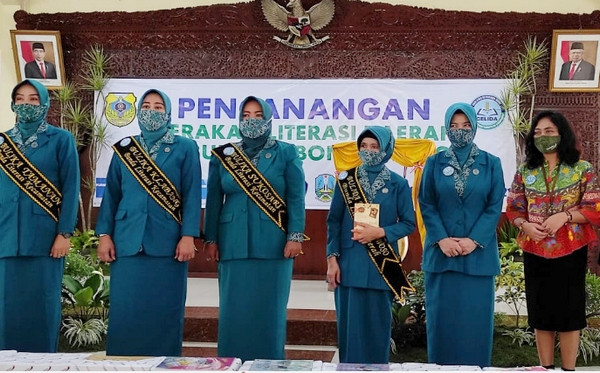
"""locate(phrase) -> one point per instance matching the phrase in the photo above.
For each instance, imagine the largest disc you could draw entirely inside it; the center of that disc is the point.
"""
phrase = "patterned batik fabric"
(168, 138)
(576, 187)
(17, 138)
(461, 173)
(254, 128)
(379, 182)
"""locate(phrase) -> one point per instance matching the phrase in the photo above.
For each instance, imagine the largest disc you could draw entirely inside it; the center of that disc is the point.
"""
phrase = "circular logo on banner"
(530, 179)
(490, 111)
(343, 175)
(228, 150)
(126, 141)
(1, 140)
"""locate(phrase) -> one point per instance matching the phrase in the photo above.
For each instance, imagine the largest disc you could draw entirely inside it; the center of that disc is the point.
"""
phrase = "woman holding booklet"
(149, 216)
(39, 190)
(461, 196)
(363, 294)
(254, 224)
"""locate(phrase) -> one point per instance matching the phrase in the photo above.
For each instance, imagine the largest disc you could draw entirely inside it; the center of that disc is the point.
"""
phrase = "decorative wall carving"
(368, 40)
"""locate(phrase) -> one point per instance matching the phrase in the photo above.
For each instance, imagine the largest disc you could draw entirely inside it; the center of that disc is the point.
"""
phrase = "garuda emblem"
(299, 23)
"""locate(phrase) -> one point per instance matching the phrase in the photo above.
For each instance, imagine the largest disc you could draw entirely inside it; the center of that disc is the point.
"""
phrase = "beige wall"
(9, 7)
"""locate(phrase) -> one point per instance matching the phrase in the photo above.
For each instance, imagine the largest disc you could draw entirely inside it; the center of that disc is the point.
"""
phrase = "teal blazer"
(396, 217)
(134, 220)
(25, 228)
(475, 215)
(235, 222)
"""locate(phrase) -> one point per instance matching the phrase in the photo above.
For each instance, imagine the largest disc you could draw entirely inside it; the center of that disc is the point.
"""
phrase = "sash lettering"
(150, 176)
(380, 251)
(28, 178)
(254, 184)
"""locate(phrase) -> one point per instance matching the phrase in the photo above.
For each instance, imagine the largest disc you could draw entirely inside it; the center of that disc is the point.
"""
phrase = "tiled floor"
(204, 292)
(305, 294)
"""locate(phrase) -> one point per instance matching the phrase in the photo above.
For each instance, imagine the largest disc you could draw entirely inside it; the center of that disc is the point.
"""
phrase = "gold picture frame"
(38, 55)
(574, 61)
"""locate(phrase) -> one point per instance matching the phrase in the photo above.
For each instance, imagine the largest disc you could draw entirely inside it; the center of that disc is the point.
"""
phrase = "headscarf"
(462, 153)
(30, 117)
(462, 157)
(386, 142)
(252, 146)
(155, 126)
(373, 177)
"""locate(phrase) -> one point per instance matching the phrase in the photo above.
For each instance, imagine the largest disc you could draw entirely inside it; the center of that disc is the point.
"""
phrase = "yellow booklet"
(367, 213)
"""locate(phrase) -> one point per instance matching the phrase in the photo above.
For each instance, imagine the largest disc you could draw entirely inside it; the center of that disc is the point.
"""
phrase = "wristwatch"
(66, 235)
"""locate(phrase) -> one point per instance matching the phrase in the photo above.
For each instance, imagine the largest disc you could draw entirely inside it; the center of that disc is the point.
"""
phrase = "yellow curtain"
(407, 152)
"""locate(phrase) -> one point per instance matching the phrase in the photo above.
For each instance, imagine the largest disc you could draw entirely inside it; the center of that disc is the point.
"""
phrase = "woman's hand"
(292, 249)
(534, 231)
(106, 249)
(450, 246)
(365, 233)
(186, 249)
(333, 272)
(467, 245)
(211, 251)
(554, 223)
(60, 247)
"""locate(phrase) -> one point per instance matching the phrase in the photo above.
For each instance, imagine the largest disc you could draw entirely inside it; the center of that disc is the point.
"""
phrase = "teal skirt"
(460, 318)
(364, 322)
(147, 306)
(30, 310)
(253, 297)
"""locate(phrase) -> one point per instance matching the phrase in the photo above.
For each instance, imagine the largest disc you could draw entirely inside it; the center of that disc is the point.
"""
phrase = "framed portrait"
(574, 61)
(38, 55)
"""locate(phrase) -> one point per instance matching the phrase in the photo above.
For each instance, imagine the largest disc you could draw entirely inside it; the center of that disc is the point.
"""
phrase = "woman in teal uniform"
(254, 253)
(461, 196)
(34, 241)
(147, 240)
(363, 300)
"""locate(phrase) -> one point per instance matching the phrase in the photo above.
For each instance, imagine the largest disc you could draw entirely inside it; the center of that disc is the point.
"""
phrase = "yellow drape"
(407, 152)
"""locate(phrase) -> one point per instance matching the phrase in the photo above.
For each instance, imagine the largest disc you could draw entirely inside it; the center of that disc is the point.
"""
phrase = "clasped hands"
(453, 246)
(548, 228)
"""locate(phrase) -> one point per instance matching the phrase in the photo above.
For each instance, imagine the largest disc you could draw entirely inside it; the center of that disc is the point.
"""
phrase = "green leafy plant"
(510, 285)
(408, 319)
(86, 126)
(518, 98)
(589, 343)
(89, 298)
(520, 336)
(84, 333)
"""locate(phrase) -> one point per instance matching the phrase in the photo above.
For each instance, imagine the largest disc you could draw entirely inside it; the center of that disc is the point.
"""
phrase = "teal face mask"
(547, 144)
(152, 120)
(254, 128)
(371, 158)
(27, 113)
(460, 137)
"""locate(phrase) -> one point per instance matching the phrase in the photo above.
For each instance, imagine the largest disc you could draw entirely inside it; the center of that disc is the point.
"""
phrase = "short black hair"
(567, 148)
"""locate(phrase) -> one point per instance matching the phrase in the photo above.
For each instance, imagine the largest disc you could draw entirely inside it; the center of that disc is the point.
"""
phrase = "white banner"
(313, 115)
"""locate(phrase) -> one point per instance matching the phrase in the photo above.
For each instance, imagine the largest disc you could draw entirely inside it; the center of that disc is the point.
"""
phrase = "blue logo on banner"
(204, 189)
(324, 186)
(100, 186)
(490, 111)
